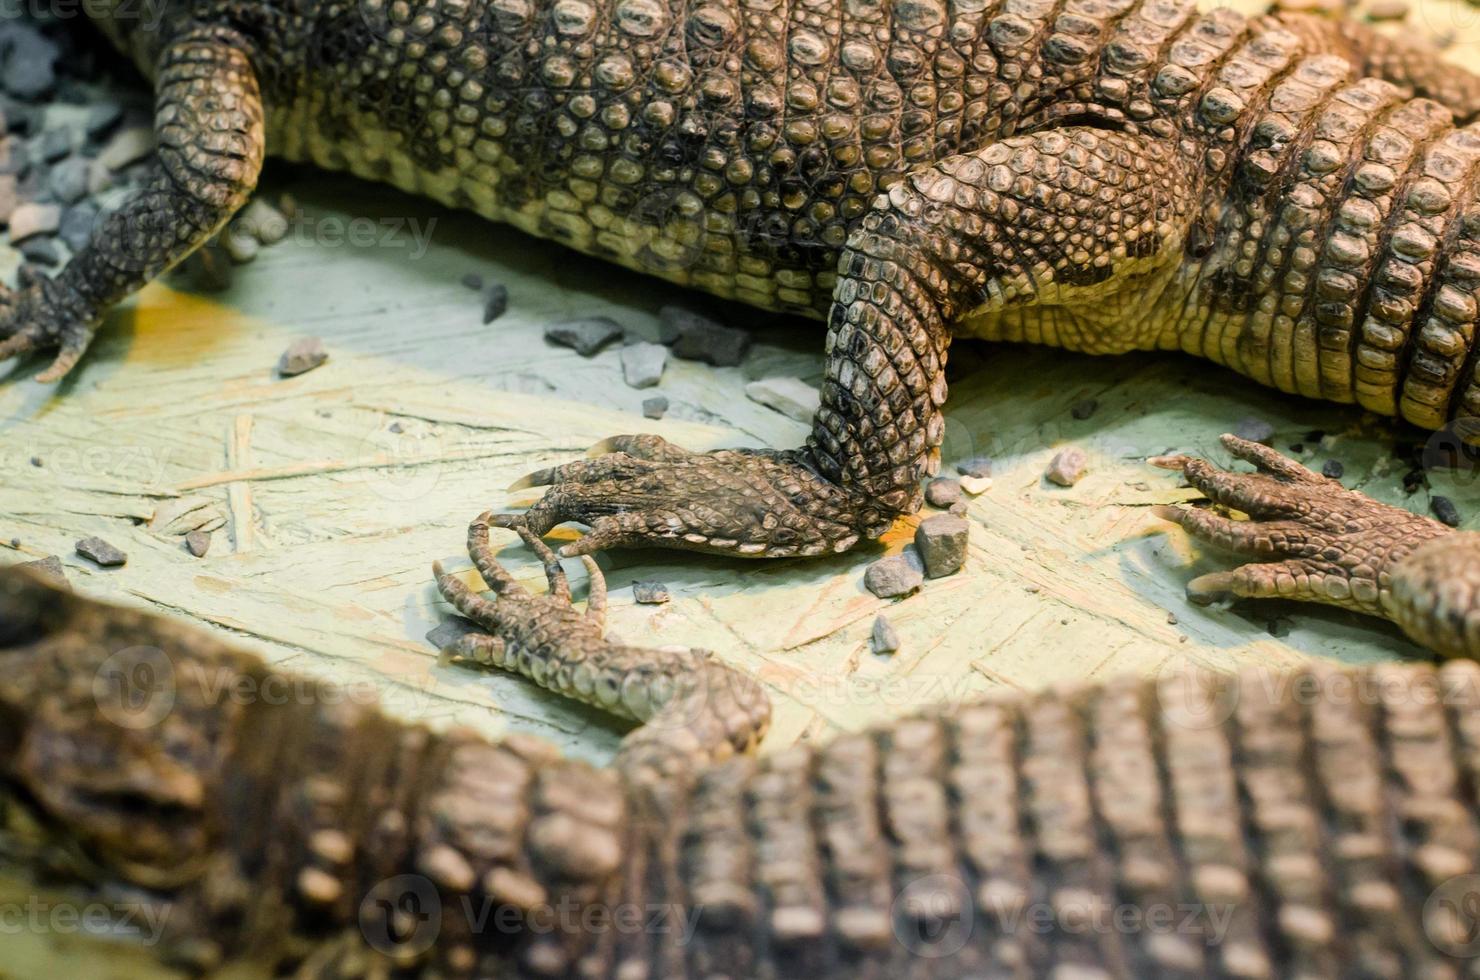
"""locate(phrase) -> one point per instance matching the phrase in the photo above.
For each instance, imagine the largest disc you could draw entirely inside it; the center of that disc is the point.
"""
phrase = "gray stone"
(30, 59)
(128, 146)
(643, 364)
(650, 593)
(977, 467)
(1067, 467)
(792, 397)
(265, 221)
(198, 542)
(1255, 430)
(960, 508)
(941, 541)
(240, 243)
(655, 407)
(884, 639)
(41, 251)
(897, 575)
(56, 144)
(586, 336)
(9, 197)
(102, 117)
(304, 355)
(101, 552)
(495, 302)
(31, 219)
(699, 338)
(78, 224)
(942, 492)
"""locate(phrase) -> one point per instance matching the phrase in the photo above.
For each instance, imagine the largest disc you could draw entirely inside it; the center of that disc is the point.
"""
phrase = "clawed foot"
(42, 314)
(645, 492)
(1316, 540)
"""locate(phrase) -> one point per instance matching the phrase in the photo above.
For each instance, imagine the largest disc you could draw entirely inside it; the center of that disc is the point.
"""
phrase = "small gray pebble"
(586, 336)
(396, 427)
(959, 508)
(885, 638)
(941, 541)
(473, 281)
(1172, 619)
(942, 492)
(41, 251)
(1444, 510)
(650, 593)
(101, 552)
(304, 355)
(1333, 469)
(1255, 430)
(68, 180)
(897, 575)
(102, 117)
(1083, 410)
(978, 467)
(655, 408)
(643, 364)
(78, 224)
(495, 302)
(198, 543)
(55, 144)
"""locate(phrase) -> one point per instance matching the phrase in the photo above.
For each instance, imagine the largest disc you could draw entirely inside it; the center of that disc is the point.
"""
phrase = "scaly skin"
(1102, 175)
(1319, 822)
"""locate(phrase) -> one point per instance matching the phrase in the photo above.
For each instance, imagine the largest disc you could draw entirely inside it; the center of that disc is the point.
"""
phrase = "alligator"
(1315, 822)
(1286, 195)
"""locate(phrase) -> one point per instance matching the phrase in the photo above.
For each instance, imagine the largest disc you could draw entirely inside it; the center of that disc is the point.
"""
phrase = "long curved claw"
(44, 314)
(1327, 544)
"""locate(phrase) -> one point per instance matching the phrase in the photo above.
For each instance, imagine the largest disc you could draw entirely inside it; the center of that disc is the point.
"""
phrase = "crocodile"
(1289, 196)
(1319, 821)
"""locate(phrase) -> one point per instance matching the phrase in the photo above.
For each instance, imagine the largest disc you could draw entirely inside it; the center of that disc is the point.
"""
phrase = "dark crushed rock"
(1444, 510)
(198, 543)
(699, 338)
(941, 541)
(304, 355)
(101, 552)
(650, 593)
(942, 492)
(450, 630)
(586, 336)
(897, 575)
(102, 119)
(885, 638)
(396, 427)
(1083, 410)
(1254, 430)
(473, 281)
(495, 302)
(1333, 469)
(50, 565)
(978, 468)
(41, 251)
(36, 461)
(655, 407)
(1067, 467)
(56, 144)
(68, 180)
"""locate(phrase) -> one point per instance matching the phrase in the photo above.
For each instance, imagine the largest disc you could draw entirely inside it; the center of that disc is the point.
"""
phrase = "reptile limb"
(209, 126)
(1065, 219)
(1319, 542)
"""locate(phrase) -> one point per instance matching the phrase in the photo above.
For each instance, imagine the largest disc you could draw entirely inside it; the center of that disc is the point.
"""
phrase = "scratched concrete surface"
(336, 490)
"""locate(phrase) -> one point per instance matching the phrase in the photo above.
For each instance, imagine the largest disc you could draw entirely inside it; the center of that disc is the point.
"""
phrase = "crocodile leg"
(208, 117)
(1320, 542)
(1056, 218)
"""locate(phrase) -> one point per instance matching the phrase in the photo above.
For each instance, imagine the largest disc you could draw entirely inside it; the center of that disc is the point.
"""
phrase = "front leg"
(208, 119)
(1057, 217)
(1323, 543)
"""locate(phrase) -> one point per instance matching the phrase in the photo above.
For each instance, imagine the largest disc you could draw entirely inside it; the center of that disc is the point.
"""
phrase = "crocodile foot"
(644, 492)
(1317, 540)
(43, 314)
